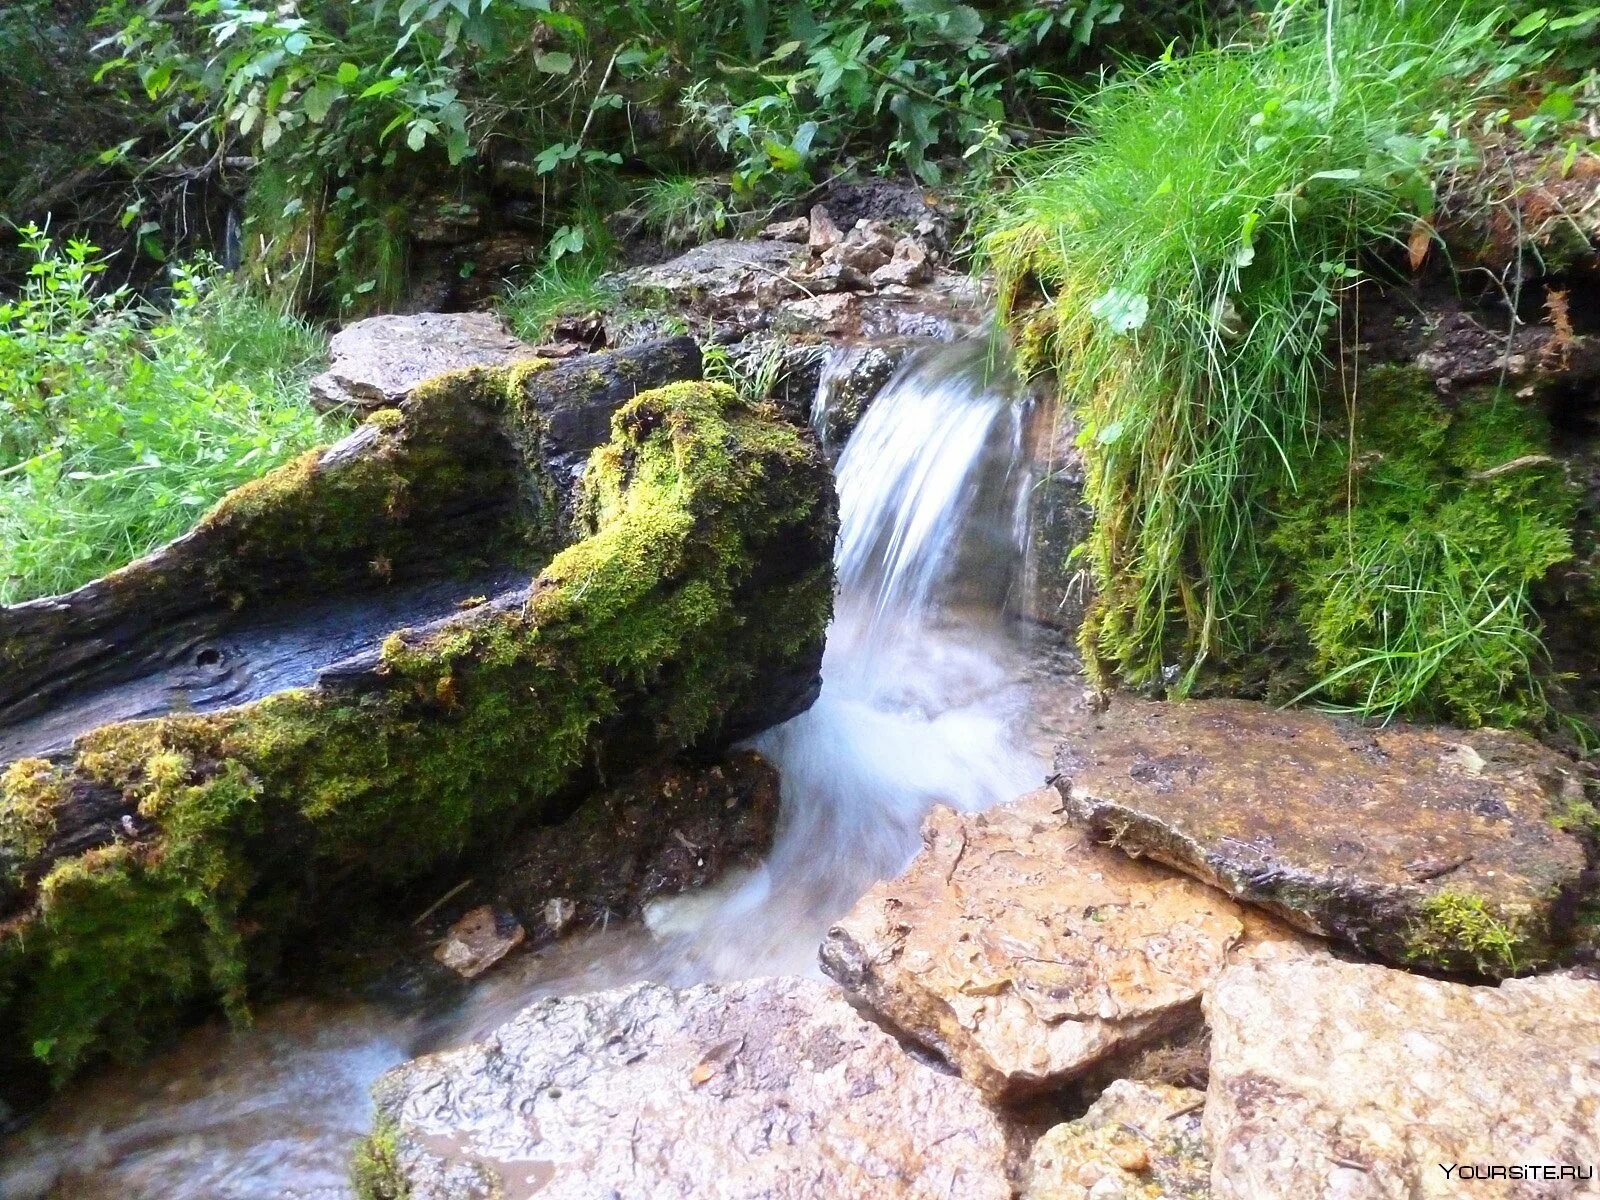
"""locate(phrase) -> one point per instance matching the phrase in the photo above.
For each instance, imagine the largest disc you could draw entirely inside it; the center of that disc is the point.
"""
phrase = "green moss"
(30, 790)
(374, 1167)
(1460, 931)
(643, 636)
(1412, 546)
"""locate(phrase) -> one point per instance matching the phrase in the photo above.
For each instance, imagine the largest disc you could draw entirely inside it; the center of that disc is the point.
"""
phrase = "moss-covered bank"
(704, 569)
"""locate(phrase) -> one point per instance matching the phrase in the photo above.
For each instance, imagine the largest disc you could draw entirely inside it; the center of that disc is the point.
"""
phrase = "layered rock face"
(1448, 849)
(156, 865)
(769, 1090)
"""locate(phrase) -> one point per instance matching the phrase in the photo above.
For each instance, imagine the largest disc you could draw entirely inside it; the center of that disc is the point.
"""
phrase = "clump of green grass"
(683, 210)
(570, 286)
(120, 425)
(1180, 264)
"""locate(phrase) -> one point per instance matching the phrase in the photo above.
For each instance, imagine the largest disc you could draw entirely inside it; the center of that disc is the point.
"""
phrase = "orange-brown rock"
(1025, 953)
(1436, 847)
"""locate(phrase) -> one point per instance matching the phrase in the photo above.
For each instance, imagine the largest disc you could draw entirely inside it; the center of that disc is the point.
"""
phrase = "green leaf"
(382, 88)
(348, 73)
(1531, 23)
(416, 136)
(554, 62)
(319, 99)
(1123, 311)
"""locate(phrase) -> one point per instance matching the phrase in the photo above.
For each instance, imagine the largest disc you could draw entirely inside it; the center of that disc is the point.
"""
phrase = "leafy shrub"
(348, 101)
(119, 426)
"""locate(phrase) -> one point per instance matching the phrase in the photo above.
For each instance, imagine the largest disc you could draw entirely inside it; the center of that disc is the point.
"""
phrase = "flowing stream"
(924, 700)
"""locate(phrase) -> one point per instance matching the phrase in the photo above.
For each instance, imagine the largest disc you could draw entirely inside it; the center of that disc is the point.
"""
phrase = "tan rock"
(479, 940)
(1026, 954)
(797, 230)
(1427, 846)
(1341, 1081)
(1137, 1141)
(377, 362)
(773, 1089)
(823, 234)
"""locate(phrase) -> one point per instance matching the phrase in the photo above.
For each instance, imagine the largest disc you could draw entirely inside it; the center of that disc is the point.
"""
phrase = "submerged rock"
(1433, 847)
(1332, 1079)
(479, 940)
(1138, 1141)
(1026, 954)
(160, 865)
(746, 1091)
(376, 363)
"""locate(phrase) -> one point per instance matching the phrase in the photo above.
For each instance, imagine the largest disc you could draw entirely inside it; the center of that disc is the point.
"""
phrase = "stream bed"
(929, 696)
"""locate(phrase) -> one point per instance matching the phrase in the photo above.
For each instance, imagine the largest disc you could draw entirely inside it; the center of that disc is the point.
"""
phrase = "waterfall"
(922, 680)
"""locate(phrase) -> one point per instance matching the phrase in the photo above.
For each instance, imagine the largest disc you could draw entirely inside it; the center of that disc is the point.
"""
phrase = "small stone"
(479, 940)
(1135, 1159)
(1109, 1188)
(908, 266)
(797, 230)
(823, 234)
(1137, 1140)
(558, 914)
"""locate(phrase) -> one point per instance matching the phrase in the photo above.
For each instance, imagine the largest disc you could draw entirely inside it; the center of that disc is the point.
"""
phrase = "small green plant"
(1456, 924)
(684, 209)
(571, 286)
(119, 425)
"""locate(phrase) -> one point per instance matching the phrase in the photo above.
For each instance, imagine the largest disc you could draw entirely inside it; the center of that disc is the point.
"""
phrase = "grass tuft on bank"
(121, 424)
(1180, 266)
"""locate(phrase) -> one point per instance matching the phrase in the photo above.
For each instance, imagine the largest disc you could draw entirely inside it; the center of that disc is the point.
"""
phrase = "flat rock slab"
(376, 363)
(771, 1089)
(1359, 1082)
(1025, 953)
(1433, 847)
(1138, 1141)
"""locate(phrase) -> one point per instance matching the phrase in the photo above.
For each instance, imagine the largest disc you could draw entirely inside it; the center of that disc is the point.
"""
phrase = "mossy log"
(159, 866)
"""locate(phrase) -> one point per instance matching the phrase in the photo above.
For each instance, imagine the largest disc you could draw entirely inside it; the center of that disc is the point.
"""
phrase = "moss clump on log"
(706, 566)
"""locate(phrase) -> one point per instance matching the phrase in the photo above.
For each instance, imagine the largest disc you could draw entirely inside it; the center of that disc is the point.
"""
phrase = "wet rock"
(1059, 585)
(671, 828)
(836, 314)
(1434, 847)
(908, 264)
(770, 1088)
(1139, 1141)
(1333, 1079)
(377, 362)
(479, 940)
(1026, 954)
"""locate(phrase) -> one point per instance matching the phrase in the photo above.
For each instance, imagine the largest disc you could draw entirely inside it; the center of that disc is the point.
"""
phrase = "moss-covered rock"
(705, 571)
(1412, 545)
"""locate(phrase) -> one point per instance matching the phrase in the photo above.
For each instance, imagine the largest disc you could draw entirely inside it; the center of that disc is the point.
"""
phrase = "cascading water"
(922, 703)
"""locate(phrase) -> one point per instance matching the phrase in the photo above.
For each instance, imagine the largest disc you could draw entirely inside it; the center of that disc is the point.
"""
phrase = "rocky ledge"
(1430, 847)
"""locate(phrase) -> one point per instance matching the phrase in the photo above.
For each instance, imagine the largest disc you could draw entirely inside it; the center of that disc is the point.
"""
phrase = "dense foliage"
(347, 103)
(120, 425)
